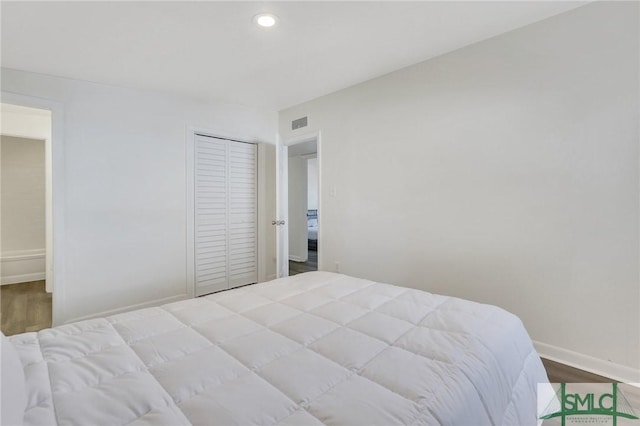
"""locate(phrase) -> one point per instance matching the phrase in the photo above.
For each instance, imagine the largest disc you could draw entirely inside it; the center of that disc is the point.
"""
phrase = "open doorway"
(303, 206)
(25, 219)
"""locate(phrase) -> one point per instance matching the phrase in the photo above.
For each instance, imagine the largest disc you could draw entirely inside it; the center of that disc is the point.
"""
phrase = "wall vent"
(299, 123)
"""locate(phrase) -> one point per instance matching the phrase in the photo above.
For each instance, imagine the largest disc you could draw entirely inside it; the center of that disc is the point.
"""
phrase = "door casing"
(282, 196)
(54, 204)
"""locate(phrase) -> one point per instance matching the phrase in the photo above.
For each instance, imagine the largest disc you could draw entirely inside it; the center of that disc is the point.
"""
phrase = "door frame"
(191, 133)
(282, 195)
(54, 198)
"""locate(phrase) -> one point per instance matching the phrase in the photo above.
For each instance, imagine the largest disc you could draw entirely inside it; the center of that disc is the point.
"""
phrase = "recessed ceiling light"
(265, 20)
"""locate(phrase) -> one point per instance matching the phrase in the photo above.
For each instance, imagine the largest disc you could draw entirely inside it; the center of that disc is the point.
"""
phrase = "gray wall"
(505, 172)
(22, 194)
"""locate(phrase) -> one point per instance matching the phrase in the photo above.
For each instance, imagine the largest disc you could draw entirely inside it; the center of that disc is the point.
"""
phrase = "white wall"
(298, 244)
(505, 172)
(125, 188)
(22, 209)
(22, 194)
(312, 184)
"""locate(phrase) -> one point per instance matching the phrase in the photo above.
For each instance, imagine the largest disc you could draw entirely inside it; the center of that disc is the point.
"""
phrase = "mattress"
(312, 228)
(316, 348)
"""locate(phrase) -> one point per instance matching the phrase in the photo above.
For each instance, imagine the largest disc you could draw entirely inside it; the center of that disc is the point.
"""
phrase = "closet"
(225, 210)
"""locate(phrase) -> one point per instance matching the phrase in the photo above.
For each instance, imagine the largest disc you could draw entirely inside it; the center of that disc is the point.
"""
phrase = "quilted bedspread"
(317, 348)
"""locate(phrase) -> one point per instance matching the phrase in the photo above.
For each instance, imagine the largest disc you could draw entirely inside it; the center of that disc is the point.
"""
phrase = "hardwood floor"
(310, 265)
(561, 373)
(24, 307)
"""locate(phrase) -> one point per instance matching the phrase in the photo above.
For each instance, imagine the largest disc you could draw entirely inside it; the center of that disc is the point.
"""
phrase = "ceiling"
(212, 50)
(303, 149)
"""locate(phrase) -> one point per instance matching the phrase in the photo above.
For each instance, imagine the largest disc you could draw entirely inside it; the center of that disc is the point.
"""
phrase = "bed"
(312, 229)
(312, 349)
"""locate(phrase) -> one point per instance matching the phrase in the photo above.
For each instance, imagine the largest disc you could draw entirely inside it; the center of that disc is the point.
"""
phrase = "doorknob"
(277, 222)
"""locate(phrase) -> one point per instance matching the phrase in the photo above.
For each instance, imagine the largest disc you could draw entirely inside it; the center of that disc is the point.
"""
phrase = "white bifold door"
(225, 214)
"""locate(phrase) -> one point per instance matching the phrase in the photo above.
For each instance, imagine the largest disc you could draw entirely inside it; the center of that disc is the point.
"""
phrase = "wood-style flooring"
(561, 373)
(24, 307)
(310, 265)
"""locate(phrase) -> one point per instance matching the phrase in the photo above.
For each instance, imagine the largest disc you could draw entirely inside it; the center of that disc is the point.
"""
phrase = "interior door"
(225, 214)
(211, 215)
(282, 220)
(243, 214)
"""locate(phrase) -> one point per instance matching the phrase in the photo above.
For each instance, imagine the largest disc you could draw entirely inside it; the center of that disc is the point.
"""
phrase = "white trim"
(24, 278)
(320, 239)
(307, 137)
(638, 230)
(221, 134)
(21, 266)
(282, 209)
(263, 219)
(55, 185)
(190, 237)
(22, 135)
(150, 304)
(588, 363)
(18, 255)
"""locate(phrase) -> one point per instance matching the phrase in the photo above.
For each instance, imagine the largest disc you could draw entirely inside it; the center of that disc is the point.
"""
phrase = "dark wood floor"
(310, 265)
(24, 307)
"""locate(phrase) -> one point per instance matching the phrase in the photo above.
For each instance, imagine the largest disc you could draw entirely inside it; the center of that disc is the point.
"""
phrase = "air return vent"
(299, 123)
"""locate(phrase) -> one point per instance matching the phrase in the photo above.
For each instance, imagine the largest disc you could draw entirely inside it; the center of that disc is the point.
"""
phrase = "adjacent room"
(301, 212)
(25, 294)
(303, 206)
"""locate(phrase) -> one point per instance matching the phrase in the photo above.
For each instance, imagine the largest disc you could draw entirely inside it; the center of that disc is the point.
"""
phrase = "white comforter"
(317, 348)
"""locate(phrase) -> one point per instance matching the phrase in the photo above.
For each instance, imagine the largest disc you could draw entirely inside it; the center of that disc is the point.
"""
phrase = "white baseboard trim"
(297, 259)
(588, 363)
(19, 266)
(23, 278)
(19, 255)
(150, 304)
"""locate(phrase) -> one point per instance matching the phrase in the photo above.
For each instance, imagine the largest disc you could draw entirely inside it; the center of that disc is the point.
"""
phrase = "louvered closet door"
(225, 214)
(211, 216)
(243, 214)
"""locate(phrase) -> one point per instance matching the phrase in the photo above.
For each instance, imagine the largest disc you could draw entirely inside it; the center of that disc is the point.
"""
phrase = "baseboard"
(128, 308)
(297, 259)
(588, 363)
(24, 278)
(21, 266)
